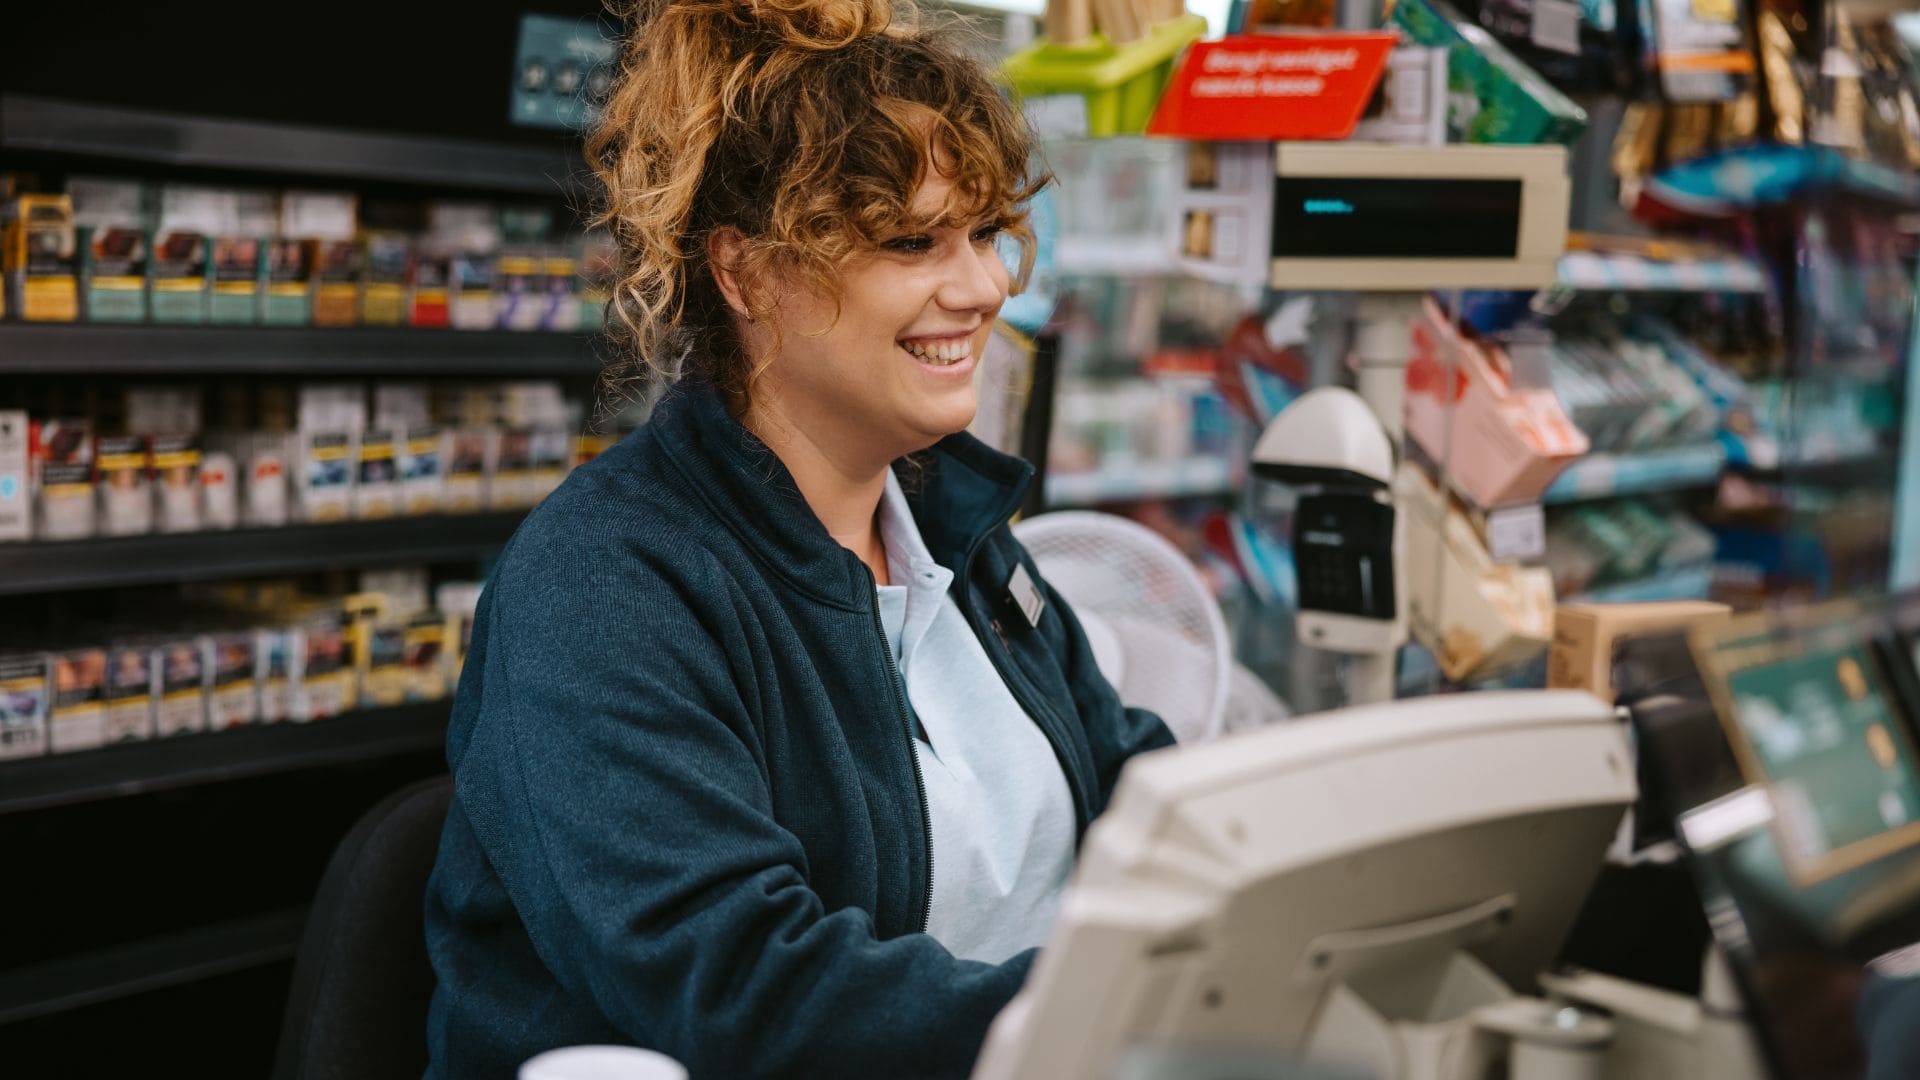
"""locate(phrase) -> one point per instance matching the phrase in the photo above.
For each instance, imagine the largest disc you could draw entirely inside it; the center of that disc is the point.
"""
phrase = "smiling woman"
(763, 758)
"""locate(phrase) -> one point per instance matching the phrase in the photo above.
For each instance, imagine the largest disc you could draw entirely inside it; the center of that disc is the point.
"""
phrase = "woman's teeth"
(940, 353)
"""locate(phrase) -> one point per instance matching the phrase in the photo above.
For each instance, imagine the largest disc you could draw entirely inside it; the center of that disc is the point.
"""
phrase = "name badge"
(1026, 595)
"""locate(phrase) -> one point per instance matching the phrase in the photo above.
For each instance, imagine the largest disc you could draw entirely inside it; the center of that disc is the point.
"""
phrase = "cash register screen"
(1328, 217)
(1798, 798)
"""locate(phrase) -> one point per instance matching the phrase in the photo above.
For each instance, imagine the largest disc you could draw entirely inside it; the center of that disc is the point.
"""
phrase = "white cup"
(602, 1063)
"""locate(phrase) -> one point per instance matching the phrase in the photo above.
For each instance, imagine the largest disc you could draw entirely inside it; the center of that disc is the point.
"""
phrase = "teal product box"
(1493, 97)
(177, 282)
(289, 292)
(113, 274)
(239, 271)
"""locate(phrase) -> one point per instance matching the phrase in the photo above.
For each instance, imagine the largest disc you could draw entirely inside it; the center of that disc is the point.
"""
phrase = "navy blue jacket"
(687, 813)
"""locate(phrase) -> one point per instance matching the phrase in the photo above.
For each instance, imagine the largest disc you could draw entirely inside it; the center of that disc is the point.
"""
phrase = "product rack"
(99, 349)
(241, 819)
(106, 562)
(128, 137)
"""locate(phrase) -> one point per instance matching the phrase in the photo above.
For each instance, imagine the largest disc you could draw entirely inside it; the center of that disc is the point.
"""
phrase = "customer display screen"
(1795, 787)
(1325, 217)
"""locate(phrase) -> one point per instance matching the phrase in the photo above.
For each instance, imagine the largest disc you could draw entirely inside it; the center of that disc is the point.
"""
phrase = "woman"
(772, 749)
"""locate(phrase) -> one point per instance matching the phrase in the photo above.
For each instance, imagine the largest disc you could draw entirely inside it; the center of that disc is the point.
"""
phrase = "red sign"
(1294, 86)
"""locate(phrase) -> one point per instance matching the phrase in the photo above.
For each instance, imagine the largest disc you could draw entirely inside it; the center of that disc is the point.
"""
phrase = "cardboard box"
(131, 689)
(1586, 635)
(16, 500)
(26, 690)
(40, 259)
(77, 718)
(1507, 442)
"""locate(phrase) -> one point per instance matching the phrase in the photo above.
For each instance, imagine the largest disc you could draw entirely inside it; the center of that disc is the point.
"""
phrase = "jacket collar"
(959, 491)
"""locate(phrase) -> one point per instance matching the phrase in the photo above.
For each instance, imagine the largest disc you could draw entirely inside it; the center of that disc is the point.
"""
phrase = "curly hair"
(804, 125)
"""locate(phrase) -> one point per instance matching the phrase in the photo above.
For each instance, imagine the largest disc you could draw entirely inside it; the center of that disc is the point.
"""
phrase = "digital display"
(1328, 217)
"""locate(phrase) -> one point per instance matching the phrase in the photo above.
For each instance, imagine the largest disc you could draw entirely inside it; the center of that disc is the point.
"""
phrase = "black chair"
(361, 981)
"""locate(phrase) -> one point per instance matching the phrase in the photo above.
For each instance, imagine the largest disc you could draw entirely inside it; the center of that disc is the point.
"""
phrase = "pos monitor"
(1332, 888)
(1785, 760)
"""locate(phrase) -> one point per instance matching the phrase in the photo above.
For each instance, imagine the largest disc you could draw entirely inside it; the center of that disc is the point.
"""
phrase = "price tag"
(1556, 26)
(1517, 533)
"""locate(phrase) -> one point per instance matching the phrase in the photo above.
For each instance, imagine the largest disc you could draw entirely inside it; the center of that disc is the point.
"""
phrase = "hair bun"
(818, 24)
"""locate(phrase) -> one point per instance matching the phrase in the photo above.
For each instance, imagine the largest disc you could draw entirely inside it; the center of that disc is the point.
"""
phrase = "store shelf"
(73, 982)
(1719, 185)
(89, 349)
(1629, 272)
(52, 566)
(138, 768)
(1610, 476)
(1154, 480)
(1686, 583)
(39, 125)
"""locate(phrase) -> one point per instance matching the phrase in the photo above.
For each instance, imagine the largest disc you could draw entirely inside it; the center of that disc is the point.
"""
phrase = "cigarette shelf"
(107, 562)
(93, 349)
(138, 768)
(33, 125)
(121, 971)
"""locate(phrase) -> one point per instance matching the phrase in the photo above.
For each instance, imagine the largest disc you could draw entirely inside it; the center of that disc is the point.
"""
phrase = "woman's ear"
(725, 246)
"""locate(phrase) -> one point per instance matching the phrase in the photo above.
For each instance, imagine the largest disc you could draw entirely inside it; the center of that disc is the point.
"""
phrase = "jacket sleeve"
(1115, 732)
(615, 784)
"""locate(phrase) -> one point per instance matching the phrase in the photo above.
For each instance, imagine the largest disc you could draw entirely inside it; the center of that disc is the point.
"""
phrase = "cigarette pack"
(182, 704)
(429, 273)
(520, 295)
(470, 469)
(551, 455)
(376, 486)
(25, 692)
(387, 263)
(113, 272)
(422, 481)
(175, 464)
(131, 689)
(563, 306)
(337, 274)
(219, 491)
(457, 601)
(39, 257)
(384, 676)
(239, 270)
(273, 668)
(323, 686)
(232, 698)
(266, 479)
(512, 485)
(77, 719)
(182, 259)
(327, 470)
(125, 493)
(16, 501)
(63, 460)
(289, 294)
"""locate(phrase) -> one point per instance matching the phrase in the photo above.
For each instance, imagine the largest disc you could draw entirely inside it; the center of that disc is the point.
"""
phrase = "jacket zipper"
(1016, 683)
(913, 752)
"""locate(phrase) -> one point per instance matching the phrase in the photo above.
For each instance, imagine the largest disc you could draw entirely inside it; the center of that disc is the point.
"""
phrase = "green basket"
(1122, 83)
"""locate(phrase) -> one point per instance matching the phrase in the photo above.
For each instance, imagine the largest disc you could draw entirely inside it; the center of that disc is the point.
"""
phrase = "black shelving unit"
(141, 768)
(33, 125)
(139, 967)
(99, 349)
(109, 562)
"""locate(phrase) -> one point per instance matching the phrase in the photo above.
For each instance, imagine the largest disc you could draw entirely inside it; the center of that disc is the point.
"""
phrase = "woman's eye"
(987, 234)
(909, 245)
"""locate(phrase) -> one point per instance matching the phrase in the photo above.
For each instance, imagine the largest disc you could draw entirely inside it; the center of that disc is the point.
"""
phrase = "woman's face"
(894, 372)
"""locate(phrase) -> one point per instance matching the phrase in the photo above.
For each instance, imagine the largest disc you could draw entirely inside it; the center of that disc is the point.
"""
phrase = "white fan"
(1155, 629)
